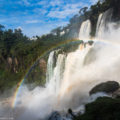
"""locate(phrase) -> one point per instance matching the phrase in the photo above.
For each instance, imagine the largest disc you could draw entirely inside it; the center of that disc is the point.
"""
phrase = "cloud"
(93, 1)
(56, 2)
(31, 21)
(40, 11)
(41, 3)
(67, 10)
(40, 14)
(43, 29)
(26, 2)
(19, 27)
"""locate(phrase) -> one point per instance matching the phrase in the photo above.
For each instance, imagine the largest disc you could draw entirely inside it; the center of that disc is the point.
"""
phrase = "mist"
(84, 68)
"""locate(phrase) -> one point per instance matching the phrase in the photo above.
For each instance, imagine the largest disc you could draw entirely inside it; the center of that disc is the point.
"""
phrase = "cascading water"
(99, 25)
(102, 24)
(74, 62)
(55, 80)
(85, 30)
(50, 66)
(69, 82)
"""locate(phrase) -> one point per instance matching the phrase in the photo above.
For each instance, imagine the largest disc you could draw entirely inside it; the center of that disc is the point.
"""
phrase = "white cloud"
(93, 1)
(67, 10)
(26, 2)
(19, 27)
(62, 14)
(41, 3)
(43, 29)
(31, 21)
(56, 2)
(40, 11)
(37, 20)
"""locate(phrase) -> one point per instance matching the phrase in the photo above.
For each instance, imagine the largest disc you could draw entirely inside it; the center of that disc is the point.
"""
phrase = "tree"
(1, 27)
(56, 31)
(83, 10)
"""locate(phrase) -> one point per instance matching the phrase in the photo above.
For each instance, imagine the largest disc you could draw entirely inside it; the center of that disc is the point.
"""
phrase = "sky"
(38, 17)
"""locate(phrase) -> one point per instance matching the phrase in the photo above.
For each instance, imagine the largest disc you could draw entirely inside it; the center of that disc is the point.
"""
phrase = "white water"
(50, 66)
(99, 25)
(85, 30)
(55, 81)
(62, 33)
(103, 24)
(83, 70)
(69, 82)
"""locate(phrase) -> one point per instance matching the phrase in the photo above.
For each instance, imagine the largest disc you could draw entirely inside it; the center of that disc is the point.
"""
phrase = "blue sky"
(37, 17)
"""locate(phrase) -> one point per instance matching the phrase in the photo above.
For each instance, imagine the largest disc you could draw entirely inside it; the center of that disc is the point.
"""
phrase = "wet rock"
(55, 116)
(71, 113)
(107, 87)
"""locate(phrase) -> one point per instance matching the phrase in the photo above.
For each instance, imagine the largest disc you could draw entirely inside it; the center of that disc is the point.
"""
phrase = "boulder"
(106, 87)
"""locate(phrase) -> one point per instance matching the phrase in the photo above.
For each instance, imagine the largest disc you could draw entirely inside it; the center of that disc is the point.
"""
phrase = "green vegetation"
(103, 108)
(18, 52)
(37, 75)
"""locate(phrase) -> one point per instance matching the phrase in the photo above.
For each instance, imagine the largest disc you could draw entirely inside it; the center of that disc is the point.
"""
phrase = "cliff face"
(37, 74)
(43, 65)
(13, 64)
(9, 72)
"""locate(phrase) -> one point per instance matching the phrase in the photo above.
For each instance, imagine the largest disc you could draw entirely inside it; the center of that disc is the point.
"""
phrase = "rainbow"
(19, 85)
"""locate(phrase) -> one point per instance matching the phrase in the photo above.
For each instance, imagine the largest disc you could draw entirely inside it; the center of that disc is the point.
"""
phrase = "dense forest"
(18, 52)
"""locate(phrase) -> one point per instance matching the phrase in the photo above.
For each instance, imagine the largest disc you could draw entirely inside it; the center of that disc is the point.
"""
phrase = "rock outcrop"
(107, 87)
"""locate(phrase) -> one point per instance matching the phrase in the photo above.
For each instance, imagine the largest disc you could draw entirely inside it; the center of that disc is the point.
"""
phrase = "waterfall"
(70, 78)
(102, 24)
(85, 30)
(57, 74)
(60, 75)
(59, 70)
(74, 62)
(50, 67)
(74, 75)
(99, 25)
